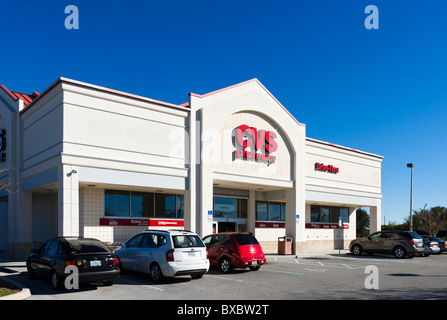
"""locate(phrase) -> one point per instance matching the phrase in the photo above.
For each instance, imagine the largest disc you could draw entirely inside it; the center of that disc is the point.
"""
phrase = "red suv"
(230, 250)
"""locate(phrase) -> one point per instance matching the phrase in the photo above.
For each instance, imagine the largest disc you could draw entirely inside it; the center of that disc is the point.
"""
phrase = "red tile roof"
(27, 98)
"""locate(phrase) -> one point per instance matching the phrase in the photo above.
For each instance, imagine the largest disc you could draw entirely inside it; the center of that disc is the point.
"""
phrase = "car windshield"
(87, 246)
(246, 239)
(187, 241)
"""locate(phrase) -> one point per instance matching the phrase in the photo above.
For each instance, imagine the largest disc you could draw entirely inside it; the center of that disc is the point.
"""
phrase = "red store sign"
(326, 226)
(326, 168)
(270, 225)
(257, 140)
(141, 222)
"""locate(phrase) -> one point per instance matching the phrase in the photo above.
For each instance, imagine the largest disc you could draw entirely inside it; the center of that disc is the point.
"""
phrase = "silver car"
(165, 254)
(430, 247)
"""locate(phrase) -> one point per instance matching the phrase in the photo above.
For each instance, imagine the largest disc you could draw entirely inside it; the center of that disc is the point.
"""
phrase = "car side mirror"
(368, 237)
(123, 245)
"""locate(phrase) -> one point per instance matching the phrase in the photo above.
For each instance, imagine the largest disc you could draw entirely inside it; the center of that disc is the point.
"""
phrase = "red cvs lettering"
(258, 137)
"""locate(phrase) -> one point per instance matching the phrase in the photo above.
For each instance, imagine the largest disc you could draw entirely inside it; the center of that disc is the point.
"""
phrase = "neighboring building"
(95, 162)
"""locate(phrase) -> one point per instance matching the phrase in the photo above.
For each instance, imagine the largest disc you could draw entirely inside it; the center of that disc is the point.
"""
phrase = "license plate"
(254, 263)
(95, 263)
(191, 254)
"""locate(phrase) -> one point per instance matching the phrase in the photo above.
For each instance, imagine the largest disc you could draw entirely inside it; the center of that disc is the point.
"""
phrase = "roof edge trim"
(107, 90)
(244, 83)
(344, 148)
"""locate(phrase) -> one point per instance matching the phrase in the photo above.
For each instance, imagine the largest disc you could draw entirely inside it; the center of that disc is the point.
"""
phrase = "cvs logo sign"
(256, 138)
(262, 140)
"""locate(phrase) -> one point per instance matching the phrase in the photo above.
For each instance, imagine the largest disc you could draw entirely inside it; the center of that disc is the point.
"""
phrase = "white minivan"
(163, 253)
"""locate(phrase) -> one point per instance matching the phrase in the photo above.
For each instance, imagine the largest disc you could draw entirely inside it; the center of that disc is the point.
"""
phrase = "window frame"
(148, 198)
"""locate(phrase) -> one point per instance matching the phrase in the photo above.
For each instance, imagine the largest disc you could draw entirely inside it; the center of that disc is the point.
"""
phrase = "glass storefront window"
(283, 212)
(344, 214)
(270, 211)
(142, 204)
(328, 214)
(261, 211)
(165, 206)
(324, 214)
(225, 207)
(230, 208)
(180, 206)
(116, 203)
(275, 211)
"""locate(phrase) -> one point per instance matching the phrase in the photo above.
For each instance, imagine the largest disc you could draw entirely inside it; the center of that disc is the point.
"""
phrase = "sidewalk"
(5, 275)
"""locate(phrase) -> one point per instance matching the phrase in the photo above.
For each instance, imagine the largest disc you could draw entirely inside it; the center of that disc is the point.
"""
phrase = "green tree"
(362, 223)
(430, 220)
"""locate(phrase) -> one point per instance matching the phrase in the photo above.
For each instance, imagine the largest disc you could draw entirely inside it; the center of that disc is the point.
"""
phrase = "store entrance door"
(226, 226)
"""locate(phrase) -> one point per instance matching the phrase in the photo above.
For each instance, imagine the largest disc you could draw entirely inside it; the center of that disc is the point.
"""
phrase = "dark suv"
(397, 242)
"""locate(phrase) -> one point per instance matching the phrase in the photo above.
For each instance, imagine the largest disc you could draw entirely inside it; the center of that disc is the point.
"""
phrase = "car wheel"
(255, 268)
(56, 281)
(357, 250)
(399, 252)
(31, 272)
(156, 273)
(225, 265)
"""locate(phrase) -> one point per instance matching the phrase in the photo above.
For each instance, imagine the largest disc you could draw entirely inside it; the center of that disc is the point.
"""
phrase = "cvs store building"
(84, 160)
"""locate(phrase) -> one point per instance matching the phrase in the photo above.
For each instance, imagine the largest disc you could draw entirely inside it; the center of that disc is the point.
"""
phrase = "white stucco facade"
(95, 162)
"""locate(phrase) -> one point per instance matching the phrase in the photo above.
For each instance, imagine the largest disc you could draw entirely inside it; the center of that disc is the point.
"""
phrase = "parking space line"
(223, 278)
(334, 265)
(375, 260)
(141, 284)
(281, 271)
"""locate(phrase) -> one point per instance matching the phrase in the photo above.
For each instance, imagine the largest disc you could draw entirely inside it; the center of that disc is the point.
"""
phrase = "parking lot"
(334, 276)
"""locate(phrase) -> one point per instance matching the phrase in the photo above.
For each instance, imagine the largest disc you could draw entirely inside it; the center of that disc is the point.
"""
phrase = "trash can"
(285, 245)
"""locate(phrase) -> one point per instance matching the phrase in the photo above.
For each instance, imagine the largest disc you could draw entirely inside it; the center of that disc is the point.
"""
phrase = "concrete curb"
(21, 295)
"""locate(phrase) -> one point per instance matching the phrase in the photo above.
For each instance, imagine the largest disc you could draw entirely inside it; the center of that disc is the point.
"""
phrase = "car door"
(213, 243)
(208, 241)
(50, 258)
(37, 260)
(373, 243)
(145, 254)
(388, 241)
(127, 254)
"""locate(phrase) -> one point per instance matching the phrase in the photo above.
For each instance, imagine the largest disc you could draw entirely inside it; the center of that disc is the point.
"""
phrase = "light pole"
(411, 165)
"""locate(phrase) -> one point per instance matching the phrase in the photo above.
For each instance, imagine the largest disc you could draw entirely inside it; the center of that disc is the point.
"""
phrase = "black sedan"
(92, 259)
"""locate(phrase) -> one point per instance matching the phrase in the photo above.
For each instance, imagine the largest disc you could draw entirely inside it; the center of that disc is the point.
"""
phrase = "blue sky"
(382, 91)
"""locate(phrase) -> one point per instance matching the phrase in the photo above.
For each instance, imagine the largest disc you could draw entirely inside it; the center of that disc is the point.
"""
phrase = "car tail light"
(207, 255)
(70, 263)
(445, 244)
(170, 255)
(112, 261)
(411, 241)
